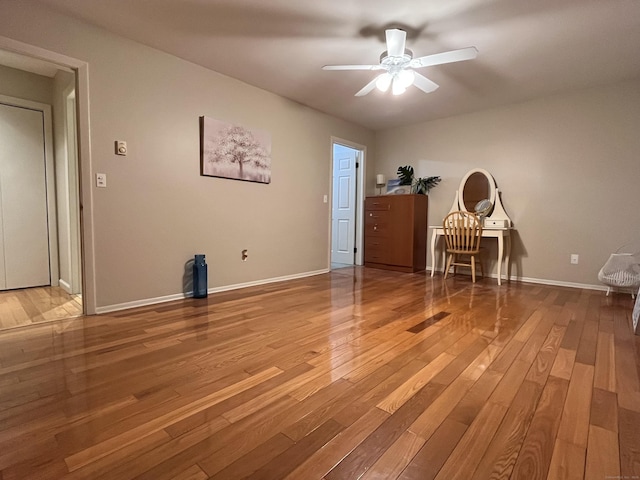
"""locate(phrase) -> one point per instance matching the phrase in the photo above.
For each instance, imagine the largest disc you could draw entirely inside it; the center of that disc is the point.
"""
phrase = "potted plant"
(420, 185)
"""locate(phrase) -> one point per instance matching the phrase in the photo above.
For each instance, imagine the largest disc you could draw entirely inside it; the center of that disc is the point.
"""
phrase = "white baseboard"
(544, 281)
(65, 286)
(559, 283)
(179, 296)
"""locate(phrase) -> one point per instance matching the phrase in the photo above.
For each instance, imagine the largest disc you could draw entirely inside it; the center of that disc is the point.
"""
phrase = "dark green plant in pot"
(420, 185)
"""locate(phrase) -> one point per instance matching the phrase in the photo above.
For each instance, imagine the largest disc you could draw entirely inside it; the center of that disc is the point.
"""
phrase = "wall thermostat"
(121, 147)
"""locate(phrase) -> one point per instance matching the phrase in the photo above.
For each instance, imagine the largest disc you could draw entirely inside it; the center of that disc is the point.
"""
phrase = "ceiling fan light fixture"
(398, 63)
(383, 82)
(397, 88)
(406, 77)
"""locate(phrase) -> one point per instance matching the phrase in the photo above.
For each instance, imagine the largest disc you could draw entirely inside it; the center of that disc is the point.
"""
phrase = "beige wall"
(568, 167)
(157, 211)
(25, 85)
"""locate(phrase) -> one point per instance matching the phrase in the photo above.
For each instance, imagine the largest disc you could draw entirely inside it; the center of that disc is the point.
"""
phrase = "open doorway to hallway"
(41, 258)
(346, 199)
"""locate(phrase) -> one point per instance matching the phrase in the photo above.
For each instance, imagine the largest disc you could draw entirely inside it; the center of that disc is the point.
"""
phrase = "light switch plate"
(101, 180)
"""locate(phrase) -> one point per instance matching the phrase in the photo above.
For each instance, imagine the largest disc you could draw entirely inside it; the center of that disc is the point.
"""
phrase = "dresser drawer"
(376, 203)
(376, 252)
(377, 216)
(376, 230)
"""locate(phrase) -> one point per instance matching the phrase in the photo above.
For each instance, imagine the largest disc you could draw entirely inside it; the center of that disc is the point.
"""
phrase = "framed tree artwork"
(234, 151)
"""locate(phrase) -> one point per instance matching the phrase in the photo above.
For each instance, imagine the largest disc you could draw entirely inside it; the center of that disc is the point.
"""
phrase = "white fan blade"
(351, 67)
(445, 57)
(395, 42)
(368, 87)
(423, 83)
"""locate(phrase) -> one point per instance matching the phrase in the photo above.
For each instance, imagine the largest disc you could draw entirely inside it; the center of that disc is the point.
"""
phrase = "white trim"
(50, 178)
(65, 286)
(541, 281)
(180, 296)
(84, 157)
(560, 283)
(360, 195)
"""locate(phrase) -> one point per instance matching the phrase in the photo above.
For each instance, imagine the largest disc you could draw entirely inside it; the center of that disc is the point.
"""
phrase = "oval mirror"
(476, 185)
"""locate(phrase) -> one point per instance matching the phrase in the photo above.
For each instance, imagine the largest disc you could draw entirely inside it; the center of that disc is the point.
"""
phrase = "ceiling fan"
(399, 64)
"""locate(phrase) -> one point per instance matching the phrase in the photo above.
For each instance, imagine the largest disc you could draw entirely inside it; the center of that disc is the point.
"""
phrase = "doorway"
(346, 197)
(41, 266)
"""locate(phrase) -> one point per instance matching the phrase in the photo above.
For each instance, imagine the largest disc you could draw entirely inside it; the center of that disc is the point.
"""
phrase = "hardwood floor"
(359, 373)
(35, 305)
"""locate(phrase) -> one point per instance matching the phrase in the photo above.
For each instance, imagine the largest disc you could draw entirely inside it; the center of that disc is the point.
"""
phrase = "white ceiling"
(527, 48)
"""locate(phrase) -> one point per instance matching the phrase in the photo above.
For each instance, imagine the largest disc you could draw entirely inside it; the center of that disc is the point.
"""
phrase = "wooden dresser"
(395, 232)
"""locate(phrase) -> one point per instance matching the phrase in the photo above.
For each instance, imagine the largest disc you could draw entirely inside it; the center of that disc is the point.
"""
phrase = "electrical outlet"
(574, 258)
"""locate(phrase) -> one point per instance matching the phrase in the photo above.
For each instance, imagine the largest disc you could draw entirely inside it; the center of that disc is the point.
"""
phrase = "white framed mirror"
(476, 185)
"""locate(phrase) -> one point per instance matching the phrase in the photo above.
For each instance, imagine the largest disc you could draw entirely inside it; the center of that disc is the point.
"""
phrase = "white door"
(343, 217)
(23, 199)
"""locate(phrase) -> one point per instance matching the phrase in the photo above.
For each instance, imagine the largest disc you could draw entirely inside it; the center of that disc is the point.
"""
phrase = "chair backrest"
(462, 232)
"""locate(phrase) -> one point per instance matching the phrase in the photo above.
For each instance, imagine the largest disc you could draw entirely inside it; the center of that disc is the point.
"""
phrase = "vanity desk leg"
(508, 257)
(500, 257)
(434, 265)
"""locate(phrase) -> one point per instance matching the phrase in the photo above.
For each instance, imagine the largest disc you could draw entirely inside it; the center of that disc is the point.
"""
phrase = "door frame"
(84, 163)
(50, 180)
(359, 201)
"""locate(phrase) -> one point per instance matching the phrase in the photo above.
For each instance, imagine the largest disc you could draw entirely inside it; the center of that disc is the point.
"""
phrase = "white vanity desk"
(476, 185)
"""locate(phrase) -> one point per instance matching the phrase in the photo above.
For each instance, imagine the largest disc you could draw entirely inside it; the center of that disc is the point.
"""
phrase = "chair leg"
(473, 268)
(446, 269)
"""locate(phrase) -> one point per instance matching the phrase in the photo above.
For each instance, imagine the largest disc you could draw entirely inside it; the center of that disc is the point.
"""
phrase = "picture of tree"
(233, 151)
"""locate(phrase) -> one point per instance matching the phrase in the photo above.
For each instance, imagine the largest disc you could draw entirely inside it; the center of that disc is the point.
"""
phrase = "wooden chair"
(462, 232)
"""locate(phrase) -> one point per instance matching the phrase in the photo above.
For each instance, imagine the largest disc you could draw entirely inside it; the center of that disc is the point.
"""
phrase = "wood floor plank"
(629, 437)
(465, 458)
(396, 458)
(23, 307)
(256, 458)
(472, 402)
(574, 426)
(563, 363)
(404, 392)
(357, 373)
(605, 364)
(368, 452)
(288, 460)
(602, 454)
(503, 450)
(426, 464)
(106, 447)
(604, 410)
(536, 452)
(323, 460)
(429, 420)
(567, 462)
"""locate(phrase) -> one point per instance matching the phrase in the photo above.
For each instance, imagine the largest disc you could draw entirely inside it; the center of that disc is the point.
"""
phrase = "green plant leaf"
(405, 174)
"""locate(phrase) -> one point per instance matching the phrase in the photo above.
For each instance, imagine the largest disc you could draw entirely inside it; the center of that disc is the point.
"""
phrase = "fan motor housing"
(386, 60)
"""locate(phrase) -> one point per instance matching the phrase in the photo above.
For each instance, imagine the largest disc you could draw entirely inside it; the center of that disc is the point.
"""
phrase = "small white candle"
(379, 179)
